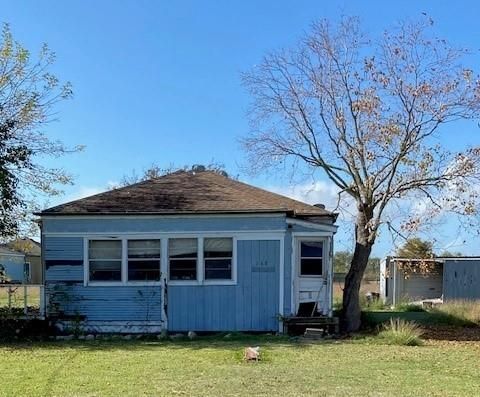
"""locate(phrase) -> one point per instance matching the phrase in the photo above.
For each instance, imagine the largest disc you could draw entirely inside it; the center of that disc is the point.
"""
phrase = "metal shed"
(447, 279)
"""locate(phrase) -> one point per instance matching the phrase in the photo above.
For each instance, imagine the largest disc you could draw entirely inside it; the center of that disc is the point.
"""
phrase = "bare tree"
(28, 95)
(156, 171)
(368, 113)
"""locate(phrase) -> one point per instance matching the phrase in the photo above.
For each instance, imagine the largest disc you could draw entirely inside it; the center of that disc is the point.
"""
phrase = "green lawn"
(214, 367)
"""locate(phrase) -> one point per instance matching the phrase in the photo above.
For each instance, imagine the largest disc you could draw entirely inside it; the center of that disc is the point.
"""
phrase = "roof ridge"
(186, 191)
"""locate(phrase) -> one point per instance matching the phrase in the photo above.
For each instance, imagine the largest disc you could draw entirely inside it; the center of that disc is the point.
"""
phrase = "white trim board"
(281, 291)
(312, 225)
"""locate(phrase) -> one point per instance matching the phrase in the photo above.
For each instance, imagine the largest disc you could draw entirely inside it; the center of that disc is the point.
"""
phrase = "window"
(182, 254)
(105, 260)
(143, 260)
(311, 258)
(218, 258)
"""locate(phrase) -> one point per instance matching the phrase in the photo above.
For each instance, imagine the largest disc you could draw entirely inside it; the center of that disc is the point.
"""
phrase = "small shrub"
(402, 333)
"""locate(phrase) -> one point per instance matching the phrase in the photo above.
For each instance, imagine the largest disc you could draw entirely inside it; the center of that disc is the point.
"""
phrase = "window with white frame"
(217, 254)
(311, 257)
(105, 260)
(143, 260)
(182, 258)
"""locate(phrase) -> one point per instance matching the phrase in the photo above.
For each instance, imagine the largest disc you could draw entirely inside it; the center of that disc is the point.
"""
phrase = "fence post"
(42, 300)
(25, 303)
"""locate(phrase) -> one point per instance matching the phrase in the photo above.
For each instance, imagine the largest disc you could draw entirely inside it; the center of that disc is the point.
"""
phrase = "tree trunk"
(351, 311)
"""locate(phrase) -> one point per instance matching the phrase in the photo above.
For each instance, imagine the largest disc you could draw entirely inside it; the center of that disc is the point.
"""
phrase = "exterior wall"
(36, 274)
(14, 268)
(384, 281)
(251, 305)
(395, 287)
(254, 303)
(461, 279)
(68, 298)
(418, 286)
(13, 265)
(173, 224)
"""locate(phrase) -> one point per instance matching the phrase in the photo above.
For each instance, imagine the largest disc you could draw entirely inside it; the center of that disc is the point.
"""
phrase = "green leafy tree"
(416, 248)
(368, 113)
(28, 95)
(343, 259)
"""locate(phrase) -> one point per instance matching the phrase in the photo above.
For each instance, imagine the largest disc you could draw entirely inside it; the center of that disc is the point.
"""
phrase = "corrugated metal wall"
(461, 279)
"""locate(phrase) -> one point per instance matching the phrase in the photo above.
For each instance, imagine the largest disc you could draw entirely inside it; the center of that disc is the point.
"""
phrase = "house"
(442, 278)
(20, 262)
(186, 251)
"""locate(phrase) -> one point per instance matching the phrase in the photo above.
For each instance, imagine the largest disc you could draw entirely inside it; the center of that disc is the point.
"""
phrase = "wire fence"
(21, 299)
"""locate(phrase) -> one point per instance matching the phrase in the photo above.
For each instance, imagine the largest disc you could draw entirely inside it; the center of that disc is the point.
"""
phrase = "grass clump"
(401, 333)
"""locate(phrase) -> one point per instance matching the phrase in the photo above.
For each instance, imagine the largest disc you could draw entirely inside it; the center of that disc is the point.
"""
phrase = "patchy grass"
(400, 332)
(460, 312)
(214, 367)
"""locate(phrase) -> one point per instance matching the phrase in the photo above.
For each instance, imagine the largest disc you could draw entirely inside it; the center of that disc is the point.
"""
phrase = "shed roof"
(187, 192)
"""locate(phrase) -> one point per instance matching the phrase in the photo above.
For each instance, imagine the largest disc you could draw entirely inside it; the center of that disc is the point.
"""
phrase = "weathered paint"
(63, 257)
(251, 305)
(64, 273)
(115, 303)
(162, 224)
(461, 279)
(63, 248)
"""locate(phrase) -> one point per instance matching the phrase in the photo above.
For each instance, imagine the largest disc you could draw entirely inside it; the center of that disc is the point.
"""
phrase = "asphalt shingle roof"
(186, 192)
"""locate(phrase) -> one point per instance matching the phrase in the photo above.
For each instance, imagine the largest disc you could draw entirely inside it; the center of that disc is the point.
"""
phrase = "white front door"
(311, 274)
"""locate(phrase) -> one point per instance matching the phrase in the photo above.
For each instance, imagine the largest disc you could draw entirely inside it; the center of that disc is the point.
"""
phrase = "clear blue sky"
(158, 81)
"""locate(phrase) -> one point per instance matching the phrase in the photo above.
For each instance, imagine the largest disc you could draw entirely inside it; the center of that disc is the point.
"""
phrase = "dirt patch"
(451, 333)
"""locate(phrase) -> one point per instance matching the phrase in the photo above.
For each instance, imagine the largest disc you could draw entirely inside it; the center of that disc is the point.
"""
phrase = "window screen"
(105, 260)
(182, 254)
(143, 260)
(218, 258)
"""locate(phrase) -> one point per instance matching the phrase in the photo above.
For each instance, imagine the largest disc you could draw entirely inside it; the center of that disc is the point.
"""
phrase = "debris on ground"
(251, 353)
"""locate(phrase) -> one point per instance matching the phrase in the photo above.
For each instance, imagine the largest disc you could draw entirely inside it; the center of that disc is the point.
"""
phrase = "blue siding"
(252, 304)
(14, 267)
(63, 248)
(64, 273)
(461, 279)
(116, 303)
(58, 249)
(163, 224)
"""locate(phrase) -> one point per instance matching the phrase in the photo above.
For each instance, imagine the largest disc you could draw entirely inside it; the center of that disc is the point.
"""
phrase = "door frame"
(327, 276)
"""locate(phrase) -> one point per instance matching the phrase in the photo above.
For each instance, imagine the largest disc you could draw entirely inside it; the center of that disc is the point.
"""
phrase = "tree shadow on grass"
(235, 342)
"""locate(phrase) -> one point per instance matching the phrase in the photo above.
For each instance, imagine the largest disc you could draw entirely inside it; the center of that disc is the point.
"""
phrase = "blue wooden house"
(186, 251)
